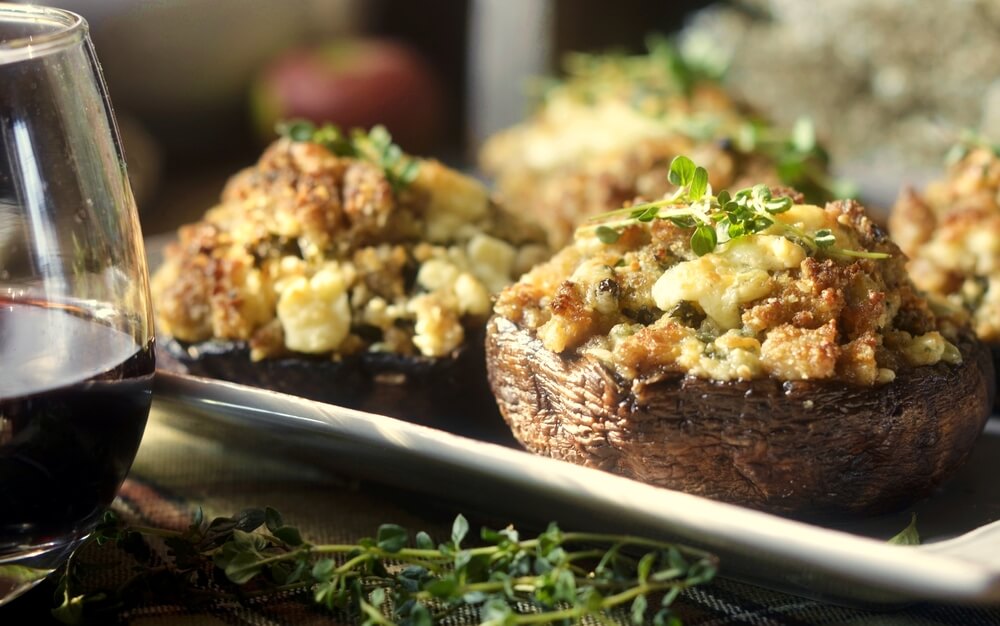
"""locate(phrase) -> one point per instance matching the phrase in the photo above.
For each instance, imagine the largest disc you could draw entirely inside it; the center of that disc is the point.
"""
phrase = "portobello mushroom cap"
(766, 371)
(800, 447)
(450, 393)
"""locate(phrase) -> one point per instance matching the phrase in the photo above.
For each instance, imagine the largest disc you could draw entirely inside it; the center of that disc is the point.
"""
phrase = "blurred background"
(197, 85)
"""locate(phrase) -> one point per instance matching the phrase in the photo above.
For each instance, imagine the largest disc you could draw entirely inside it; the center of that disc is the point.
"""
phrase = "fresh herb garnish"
(718, 219)
(909, 535)
(646, 81)
(393, 578)
(375, 146)
(968, 141)
(799, 159)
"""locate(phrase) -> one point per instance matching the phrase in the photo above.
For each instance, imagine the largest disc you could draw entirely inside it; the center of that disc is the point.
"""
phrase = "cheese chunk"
(721, 282)
(315, 313)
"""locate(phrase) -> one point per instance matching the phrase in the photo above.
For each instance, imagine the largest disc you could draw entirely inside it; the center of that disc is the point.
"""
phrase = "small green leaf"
(638, 610)
(824, 238)
(645, 565)
(649, 214)
(459, 529)
(250, 519)
(778, 205)
(272, 519)
(804, 135)
(909, 535)
(681, 171)
(289, 535)
(297, 129)
(703, 240)
(391, 537)
(441, 587)
(682, 221)
(323, 569)
(607, 235)
(699, 184)
(723, 199)
(409, 172)
(243, 567)
(424, 541)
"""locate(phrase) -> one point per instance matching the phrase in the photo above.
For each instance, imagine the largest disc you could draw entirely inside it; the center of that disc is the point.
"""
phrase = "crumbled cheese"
(473, 298)
(455, 201)
(437, 274)
(438, 330)
(491, 260)
(315, 313)
(930, 348)
(721, 282)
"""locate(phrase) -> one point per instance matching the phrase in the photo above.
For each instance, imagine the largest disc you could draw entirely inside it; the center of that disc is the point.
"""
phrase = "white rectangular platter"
(958, 563)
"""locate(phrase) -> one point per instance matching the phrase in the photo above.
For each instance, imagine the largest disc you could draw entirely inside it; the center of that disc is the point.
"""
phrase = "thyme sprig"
(969, 140)
(395, 579)
(375, 146)
(717, 219)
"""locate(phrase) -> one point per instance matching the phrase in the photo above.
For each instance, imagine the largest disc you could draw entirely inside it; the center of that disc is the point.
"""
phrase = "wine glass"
(76, 353)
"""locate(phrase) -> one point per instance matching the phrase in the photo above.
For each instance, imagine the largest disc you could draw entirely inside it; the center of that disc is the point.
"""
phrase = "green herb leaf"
(297, 129)
(909, 535)
(289, 535)
(459, 529)
(703, 240)
(424, 541)
(804, 135)
(375, 146)
(681, 171)
(391, 537)
(638, 610)
(699, 184)
(272, 519)
(607, 235)
(824, 238)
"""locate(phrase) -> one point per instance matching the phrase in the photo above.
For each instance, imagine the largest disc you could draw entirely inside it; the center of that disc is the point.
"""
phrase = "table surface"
(176, 472)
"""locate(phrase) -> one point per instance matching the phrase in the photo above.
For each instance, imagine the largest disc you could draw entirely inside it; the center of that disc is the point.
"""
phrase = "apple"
(355, 83)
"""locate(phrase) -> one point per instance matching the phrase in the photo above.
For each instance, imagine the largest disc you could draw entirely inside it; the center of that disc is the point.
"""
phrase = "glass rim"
(67, 28)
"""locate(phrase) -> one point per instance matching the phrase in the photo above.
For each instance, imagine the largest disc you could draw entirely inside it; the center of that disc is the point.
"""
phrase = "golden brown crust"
(803, 318)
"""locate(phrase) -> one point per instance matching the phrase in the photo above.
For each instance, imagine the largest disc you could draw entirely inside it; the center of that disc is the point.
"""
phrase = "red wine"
(74, 398)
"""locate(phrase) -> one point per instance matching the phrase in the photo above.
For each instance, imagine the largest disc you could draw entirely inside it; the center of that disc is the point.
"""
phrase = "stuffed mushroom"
(748, 347)
(951, 233)
(340, 269)
(608, 132)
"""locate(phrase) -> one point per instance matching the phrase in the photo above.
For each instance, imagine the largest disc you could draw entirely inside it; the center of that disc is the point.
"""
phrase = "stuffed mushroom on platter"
(608, 131)
(746, 347)
(339, 269)
(951, 233)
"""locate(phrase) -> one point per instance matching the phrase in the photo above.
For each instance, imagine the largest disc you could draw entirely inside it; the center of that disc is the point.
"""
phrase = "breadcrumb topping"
(758, 306)
(309, 252)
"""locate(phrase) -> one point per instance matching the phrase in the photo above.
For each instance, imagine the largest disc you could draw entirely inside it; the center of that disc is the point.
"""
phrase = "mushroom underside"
(449, 393)
(800, 448)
